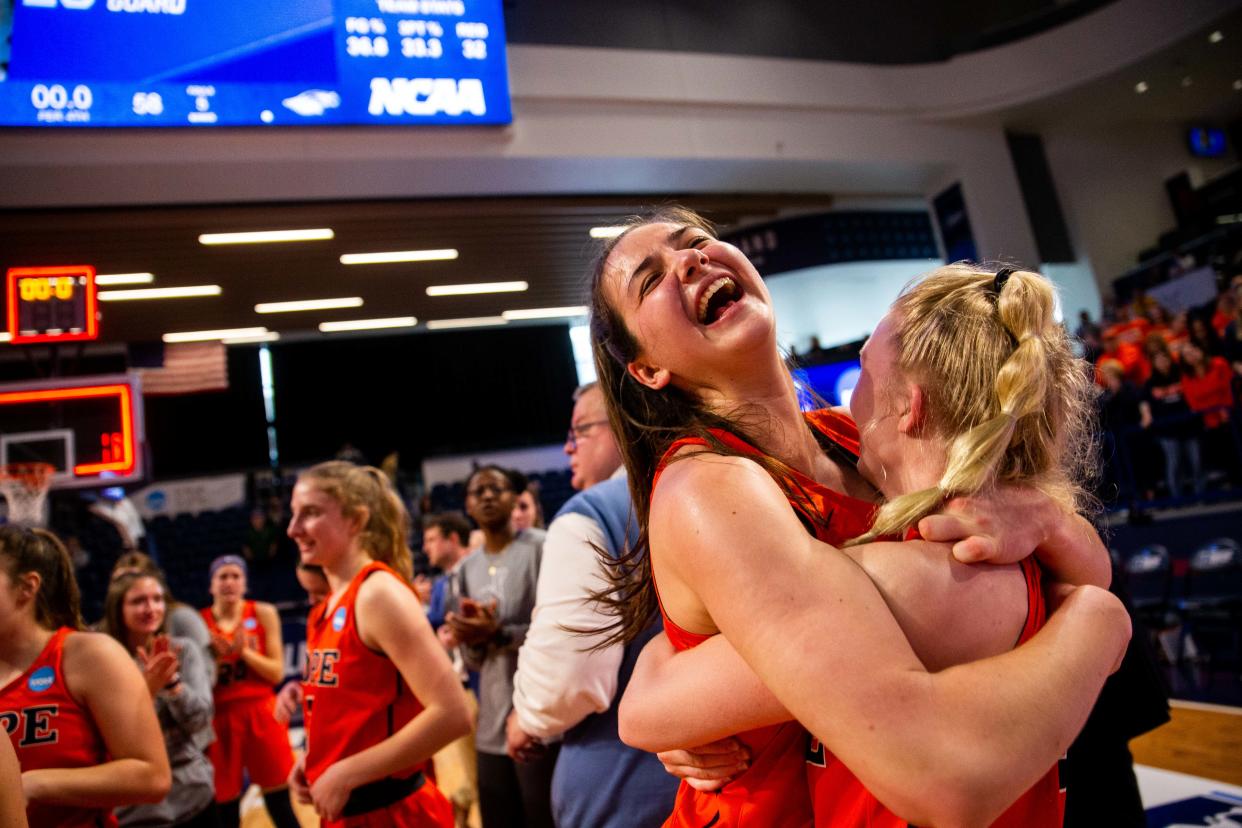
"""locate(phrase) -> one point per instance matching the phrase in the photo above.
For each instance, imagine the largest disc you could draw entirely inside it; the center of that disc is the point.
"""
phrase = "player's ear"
(649, 375)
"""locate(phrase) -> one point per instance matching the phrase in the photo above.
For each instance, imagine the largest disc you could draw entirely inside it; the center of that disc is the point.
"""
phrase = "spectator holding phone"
(496, 589)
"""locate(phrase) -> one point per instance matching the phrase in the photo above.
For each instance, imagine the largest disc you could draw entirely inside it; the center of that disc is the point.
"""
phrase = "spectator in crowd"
(1207, 384)
(1203, 336)
(563, 687)
(1120, 414)
(1157, 318)
(1126, 352)
(1165, 413)
(1178, 333)
(178, 678)
(183, 620)
(114, 507)
(1231, 339)
(529, 509)
(445, 539)
(260, 549)
(1223, 312)
(1085, 326)
(497, 593)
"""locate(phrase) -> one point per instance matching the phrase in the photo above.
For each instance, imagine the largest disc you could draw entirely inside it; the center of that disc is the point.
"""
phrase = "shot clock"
(51, 304)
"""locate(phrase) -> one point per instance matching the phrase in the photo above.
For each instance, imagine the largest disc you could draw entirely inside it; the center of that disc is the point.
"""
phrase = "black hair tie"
(1002, 276)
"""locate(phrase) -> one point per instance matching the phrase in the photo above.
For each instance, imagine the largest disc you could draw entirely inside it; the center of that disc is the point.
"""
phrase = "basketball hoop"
(24, 487)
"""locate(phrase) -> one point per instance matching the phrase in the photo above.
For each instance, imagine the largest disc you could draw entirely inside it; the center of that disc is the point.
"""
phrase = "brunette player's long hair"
(646, 423)
(386, 535)
(57, 603)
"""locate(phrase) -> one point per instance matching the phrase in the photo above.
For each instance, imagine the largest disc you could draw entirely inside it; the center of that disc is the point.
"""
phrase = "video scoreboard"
(162, 63)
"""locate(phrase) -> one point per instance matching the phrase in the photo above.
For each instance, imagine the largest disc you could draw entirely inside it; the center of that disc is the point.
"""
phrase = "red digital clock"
(52, 304)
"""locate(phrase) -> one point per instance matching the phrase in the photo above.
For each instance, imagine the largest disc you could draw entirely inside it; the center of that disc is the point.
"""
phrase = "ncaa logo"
(250, 623)
(80, 5)
(338, 619)
(41, 680)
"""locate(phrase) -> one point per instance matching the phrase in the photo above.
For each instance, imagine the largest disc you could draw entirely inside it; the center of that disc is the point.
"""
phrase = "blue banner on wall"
(235, 62)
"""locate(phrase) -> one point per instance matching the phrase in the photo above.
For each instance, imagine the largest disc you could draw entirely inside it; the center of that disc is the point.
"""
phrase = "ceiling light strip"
(478, 287)
(187, 292)
(546, 313)
(105, 279)
(267, 236)
(203, 336)
(308, 305)
(273, 336)
(467, 322)
(368, 324)
(606, 232)
(399, 256)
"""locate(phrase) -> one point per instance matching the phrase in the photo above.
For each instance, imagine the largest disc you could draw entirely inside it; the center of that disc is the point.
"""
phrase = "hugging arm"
(952, 747)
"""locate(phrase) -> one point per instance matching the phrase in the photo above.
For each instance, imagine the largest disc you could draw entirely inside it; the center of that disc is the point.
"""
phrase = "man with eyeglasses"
(562, 688)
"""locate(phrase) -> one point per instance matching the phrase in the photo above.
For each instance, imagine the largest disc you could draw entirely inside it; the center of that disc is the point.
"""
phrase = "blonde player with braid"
(741, 500)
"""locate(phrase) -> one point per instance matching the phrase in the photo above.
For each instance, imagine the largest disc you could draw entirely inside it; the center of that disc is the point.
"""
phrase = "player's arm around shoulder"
(102, 677)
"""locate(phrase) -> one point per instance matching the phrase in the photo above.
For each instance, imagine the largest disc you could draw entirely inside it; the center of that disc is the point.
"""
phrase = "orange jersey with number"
(235, 681)
(49, 729)
(773, 791)
(840, 800)
(354, 697)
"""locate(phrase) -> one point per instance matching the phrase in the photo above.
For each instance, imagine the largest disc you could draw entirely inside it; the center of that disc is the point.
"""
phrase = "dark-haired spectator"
(497, 593)
(1086, 327)
(183, 620)
(446, 539)
(529, 509)
(1120, 413)
(1168, 417)
(1178, 333)
(1231, 340)
(1207, 383)
(1203, 336)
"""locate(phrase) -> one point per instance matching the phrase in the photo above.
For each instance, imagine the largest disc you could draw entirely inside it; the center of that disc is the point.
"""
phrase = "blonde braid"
(947, 318)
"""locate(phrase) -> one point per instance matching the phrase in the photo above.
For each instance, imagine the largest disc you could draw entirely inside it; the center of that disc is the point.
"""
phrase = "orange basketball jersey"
(49, 729)
(773, 790)
(841, 801)
(354, 696)
(234, 680)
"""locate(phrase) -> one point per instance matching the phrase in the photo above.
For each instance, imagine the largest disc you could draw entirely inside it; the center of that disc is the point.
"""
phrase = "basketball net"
(24, 488)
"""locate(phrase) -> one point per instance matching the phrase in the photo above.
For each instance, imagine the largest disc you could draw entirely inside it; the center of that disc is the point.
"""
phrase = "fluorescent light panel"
(104, 279)
(203, 336)
(246, 340)
(606, 232)
(309, 304)
(368, 324)
(399, 256)
(480, 287)
(546, 313)
(467, 322)
(187, 292)
(267, 236)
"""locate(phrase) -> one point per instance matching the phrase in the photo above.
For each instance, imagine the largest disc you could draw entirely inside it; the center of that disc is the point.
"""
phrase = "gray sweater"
(510, 577)
(185, 720)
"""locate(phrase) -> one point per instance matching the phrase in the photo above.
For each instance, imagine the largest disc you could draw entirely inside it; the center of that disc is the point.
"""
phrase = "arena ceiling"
(542, 241)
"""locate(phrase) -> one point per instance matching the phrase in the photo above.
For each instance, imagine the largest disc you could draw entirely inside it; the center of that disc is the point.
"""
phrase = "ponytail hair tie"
(1002, 276)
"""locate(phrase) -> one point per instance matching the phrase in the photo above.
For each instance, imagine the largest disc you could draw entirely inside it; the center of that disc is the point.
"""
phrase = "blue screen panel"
(240, 63)
(834, 382)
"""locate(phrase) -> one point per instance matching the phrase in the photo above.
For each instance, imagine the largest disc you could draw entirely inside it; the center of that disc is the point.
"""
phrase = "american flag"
(189, 367)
